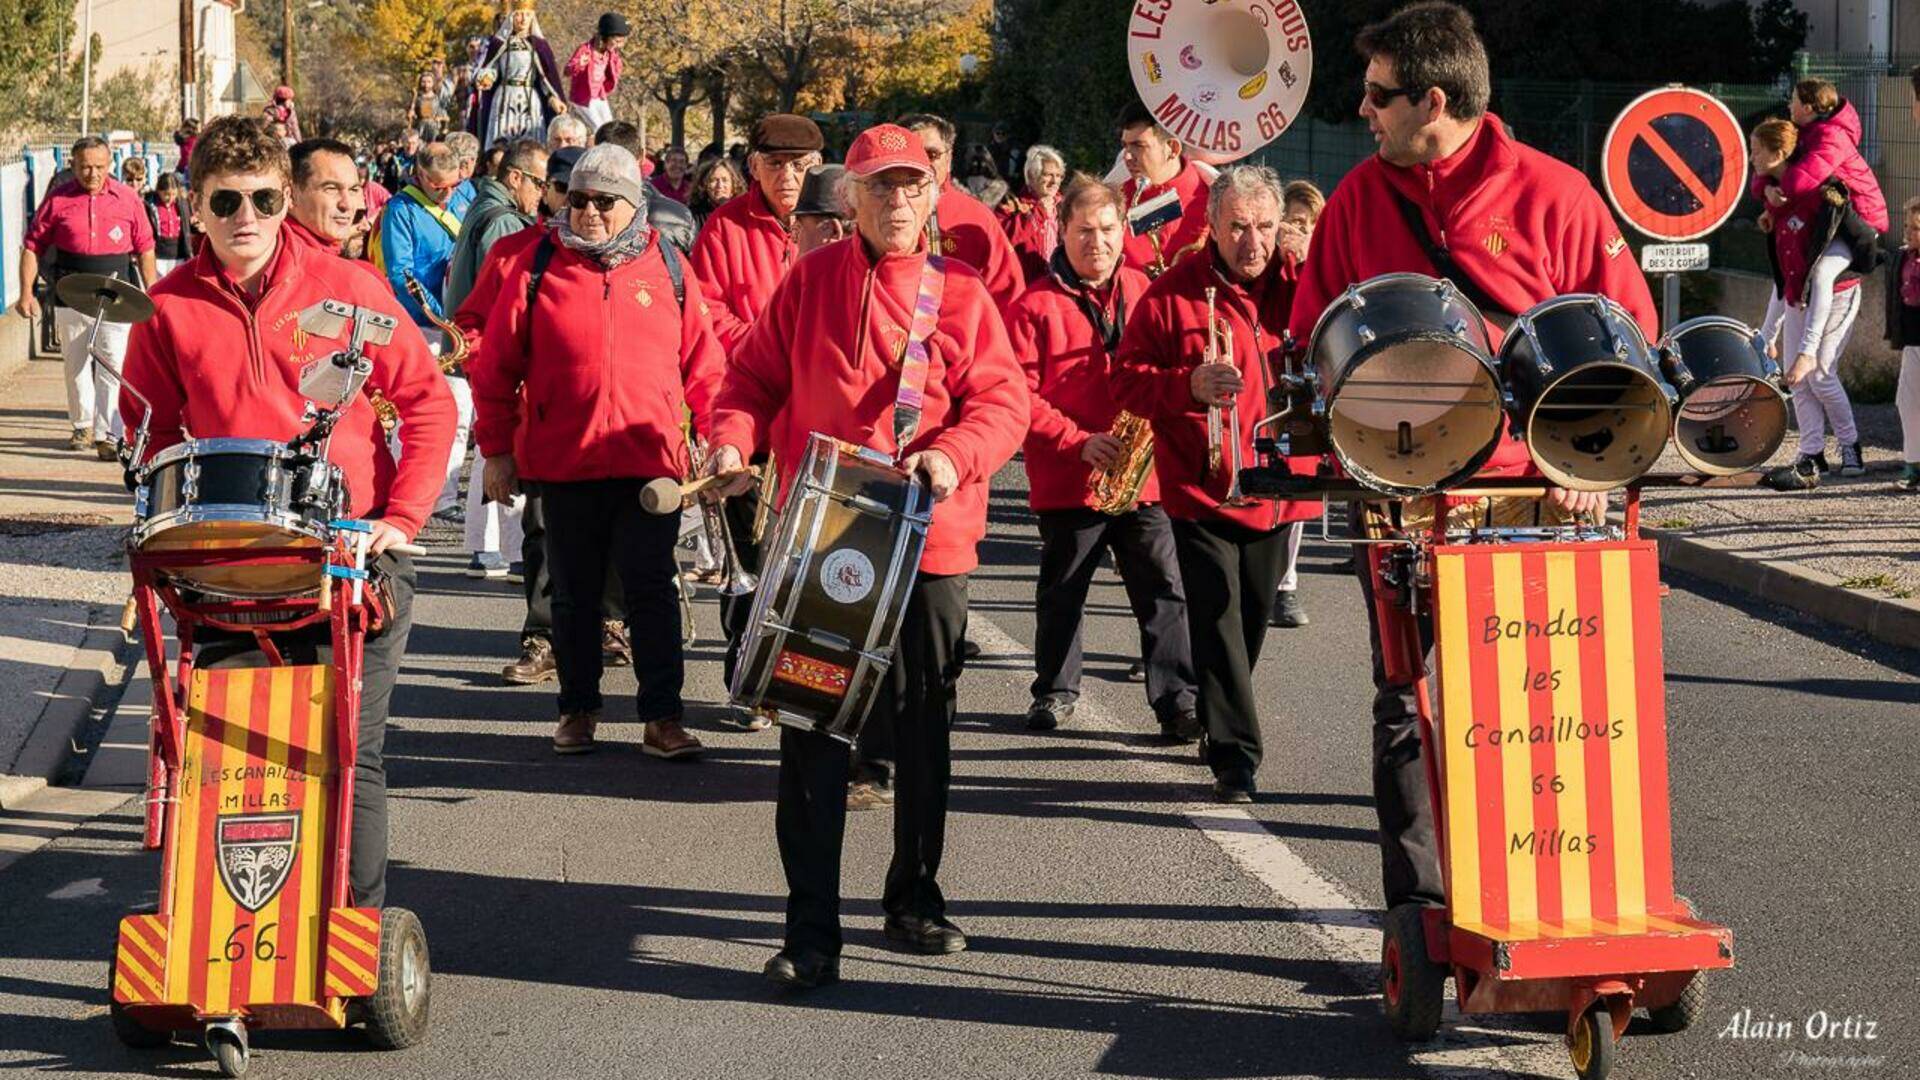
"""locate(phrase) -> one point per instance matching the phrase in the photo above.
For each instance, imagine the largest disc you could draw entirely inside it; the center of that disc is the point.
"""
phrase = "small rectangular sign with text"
(1673, 258)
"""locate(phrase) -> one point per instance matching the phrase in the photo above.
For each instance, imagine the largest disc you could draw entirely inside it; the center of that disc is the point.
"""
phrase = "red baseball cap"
(886, 146)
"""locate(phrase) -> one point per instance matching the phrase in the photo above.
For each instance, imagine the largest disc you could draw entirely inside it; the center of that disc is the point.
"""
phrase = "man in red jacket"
(597, 342)
(1155, 166)
(1449, 185)
(961, 226)
(1231, 557)
(1065, 329)
(222, 357)
(826, 356)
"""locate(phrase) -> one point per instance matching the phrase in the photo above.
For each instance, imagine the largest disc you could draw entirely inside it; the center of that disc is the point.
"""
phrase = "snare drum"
(834, 586)
(237, 495)
(1733, 403)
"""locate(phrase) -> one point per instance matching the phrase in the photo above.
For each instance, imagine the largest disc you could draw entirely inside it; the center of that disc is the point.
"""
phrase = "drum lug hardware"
(1364, 333)
(1354, 298)
(1458, 327)
(141, 496)
(190, 481)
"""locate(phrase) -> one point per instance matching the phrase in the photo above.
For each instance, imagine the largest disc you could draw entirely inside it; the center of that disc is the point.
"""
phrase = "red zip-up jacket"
(219, 364)
(1166, 339)
(1068, 370)
(1829, 149)
(472, 315)
(1525, 226)
(1025, 223)
(605, 360)
(969, 232)
(1193, 187)
(742, 253)
(825, 357)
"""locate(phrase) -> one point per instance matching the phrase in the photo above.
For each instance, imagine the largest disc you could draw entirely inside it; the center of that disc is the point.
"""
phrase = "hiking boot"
(106, 450)
(867, 795)
(615, 648)
(1045, 715)
(1802, 475)
(1288, 612)
(665, 738)
(536, 663)
(575, 733)
(81, 440)
(1852, 463)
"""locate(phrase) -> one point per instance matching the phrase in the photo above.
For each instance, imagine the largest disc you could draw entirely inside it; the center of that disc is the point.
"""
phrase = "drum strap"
(910, 399)
(1444, 265)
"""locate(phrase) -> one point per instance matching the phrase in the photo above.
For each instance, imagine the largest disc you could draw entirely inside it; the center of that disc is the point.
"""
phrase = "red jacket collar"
(296, 233)
(284, 267)
(1487, 154)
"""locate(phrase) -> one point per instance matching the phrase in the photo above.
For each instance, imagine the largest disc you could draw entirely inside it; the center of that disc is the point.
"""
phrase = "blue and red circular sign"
(1675, 163)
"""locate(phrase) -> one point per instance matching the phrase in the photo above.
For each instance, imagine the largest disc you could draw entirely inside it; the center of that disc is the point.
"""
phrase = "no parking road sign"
(1675, 163)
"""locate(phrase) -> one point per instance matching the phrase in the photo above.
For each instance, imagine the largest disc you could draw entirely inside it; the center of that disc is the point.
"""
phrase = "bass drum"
(237, 496)
(1411, 398)
(1733, 404)
(834, 587)
(1587, 394)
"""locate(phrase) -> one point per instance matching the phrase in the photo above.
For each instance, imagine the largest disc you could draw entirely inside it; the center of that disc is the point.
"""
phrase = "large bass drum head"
(1733, 415)
(1594, 412)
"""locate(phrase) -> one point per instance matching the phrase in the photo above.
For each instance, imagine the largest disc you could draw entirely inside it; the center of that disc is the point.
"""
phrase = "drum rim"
(147, 528)
(220, 447)
(1554, 303)
(1395, 277)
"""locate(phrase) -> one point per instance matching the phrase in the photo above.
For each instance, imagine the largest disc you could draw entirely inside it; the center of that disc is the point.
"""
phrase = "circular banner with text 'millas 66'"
(1225, 77)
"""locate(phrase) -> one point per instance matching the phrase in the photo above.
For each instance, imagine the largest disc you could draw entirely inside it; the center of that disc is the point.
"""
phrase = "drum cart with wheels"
(1544, 732)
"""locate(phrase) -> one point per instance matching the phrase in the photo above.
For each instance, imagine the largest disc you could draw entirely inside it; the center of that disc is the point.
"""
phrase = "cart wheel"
(228, 1041)
(1412, 986)
(131, 1033)
(1594, 1048)
(397, 1011)
(1690, 1006)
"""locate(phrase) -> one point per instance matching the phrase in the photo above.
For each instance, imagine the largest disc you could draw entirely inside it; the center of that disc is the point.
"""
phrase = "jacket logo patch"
(1495, 244)
(948, 245)
(1615, 246)
(896, 338)
(643, 292)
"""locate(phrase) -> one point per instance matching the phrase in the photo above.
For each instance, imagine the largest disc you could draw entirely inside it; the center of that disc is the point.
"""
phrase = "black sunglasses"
(1382, 96)
(225, 202)
(580, 200)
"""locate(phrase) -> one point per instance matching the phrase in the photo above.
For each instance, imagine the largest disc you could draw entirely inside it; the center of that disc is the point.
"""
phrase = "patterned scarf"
(629, 243)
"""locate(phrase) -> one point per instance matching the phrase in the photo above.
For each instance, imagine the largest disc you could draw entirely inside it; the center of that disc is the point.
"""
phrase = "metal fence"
(1570, 120)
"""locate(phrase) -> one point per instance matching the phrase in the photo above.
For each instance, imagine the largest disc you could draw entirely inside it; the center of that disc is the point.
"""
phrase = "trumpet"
(736, 579)
(1219, 350)
(1116, 488)
(768, 491)
(454, 356)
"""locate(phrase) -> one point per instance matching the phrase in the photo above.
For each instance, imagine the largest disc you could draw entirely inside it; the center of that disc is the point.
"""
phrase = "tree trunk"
(718, 95)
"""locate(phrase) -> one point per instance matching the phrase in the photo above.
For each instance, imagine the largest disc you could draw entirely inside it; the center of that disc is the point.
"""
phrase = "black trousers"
(737, 611)
(1409, 852)
(1072, 543)
(917, 706)
(379, 670)
(538, 584)
(594, 525)
(1231, 573)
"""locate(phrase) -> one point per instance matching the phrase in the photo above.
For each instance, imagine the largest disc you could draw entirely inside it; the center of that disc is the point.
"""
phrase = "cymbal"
(91, 294)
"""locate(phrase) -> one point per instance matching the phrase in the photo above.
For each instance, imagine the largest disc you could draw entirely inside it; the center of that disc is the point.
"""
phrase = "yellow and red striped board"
(140, 960)
(251, 839)
(353, 951)
(1552, 740)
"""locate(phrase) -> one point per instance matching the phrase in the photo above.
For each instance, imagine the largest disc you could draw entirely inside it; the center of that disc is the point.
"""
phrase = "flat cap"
(784, 132)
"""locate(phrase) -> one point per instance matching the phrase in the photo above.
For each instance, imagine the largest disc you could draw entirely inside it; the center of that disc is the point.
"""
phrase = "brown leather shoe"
(536, 663)
(867, 795)
(615, 648)
(575, 733)
(667, 739)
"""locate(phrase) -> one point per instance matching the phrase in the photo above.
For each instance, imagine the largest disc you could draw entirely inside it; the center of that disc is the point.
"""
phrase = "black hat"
(784, 132)
(614, 24)
(560, 163)
(820, 194)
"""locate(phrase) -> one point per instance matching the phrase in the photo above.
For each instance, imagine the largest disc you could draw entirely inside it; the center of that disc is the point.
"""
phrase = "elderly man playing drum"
(222, 357)
(1174, 368)
(827, 356)
(1451, 194)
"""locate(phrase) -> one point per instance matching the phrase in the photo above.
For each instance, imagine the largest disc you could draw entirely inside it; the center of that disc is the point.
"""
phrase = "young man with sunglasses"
(598, 342)
(828, 355)
(1449, 187)
(1156, 164)
(222, 357)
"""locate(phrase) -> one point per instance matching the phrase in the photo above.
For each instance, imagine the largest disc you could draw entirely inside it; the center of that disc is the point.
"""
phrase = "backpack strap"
(674, 272)
(542, 258)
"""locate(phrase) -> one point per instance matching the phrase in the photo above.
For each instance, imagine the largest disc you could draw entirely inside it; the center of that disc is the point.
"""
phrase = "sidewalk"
(63, 518)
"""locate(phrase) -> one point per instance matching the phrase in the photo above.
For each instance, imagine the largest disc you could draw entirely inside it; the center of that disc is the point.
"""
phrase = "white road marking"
(1347, 928)
(84, 889)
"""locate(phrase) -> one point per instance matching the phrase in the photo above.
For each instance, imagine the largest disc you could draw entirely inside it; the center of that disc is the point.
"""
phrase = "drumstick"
(664, 496)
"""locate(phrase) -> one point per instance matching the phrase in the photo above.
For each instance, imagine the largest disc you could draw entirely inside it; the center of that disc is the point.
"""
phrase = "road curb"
(101, 665)
(1808, 591)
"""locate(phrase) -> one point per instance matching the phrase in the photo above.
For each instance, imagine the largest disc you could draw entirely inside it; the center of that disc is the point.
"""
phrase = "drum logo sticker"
(847, 575)
(812, 673)
(255, 855)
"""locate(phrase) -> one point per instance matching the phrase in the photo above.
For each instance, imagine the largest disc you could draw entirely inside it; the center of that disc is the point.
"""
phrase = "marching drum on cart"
(250, 777)
(1542, 721)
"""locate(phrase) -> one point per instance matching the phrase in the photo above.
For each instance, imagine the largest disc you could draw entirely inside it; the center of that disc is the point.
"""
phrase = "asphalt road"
(607, 915)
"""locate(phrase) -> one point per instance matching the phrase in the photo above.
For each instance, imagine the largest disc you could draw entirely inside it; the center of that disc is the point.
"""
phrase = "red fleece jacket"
(1068, 371)
(1525, 226)
(825, 357)
(220, 364)
(741, 255)
(605, 361)
(969, 232)
(479, 304)
(1165, 340)
(1192, 226)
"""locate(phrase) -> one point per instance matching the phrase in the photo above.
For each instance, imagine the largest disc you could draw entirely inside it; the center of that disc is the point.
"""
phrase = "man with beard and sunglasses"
(222, 357)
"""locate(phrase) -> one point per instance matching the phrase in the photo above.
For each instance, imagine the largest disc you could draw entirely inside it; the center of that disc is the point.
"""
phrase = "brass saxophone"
(1116, 488)
(386, 411)
(454, 356)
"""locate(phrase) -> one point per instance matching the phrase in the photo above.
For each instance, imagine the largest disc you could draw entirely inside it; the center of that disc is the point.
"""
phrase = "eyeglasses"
(793, 165)
(1382, 96)
(267, 201)
(884, 189)
(580, 200)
